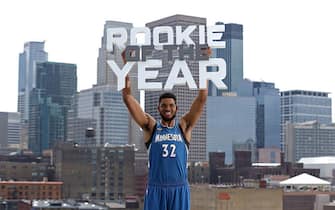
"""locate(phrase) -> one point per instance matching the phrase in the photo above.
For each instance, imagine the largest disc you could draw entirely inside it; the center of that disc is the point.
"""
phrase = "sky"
(288, 42)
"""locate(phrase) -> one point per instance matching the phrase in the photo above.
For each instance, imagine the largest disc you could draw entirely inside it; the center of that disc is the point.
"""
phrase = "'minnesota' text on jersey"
(168, 153)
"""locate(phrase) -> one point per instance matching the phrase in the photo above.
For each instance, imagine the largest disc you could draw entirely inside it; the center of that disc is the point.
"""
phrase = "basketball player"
(167, 141)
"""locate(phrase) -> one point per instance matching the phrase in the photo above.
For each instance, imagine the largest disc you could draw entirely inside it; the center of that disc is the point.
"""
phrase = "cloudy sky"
(290, 43)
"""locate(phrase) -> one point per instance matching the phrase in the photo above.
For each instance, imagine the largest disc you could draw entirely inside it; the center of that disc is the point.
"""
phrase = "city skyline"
(285, 42)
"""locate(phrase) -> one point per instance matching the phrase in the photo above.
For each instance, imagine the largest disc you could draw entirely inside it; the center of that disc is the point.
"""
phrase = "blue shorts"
(170, 197)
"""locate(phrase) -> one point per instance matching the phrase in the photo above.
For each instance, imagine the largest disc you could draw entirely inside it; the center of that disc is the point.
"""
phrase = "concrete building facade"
(308, 139)
(10, 129)
(102, 109)
(101, 173)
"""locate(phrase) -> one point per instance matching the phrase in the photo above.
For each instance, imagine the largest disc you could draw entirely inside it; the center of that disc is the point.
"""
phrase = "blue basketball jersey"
(168, 152)
(167, 182)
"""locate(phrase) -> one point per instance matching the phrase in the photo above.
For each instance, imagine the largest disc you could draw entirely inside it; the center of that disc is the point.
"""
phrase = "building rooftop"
(304, 92)
(31, 182)
(318, 160)
(265, 164)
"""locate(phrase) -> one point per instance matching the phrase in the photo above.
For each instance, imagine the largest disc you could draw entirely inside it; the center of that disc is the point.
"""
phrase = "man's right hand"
(123, 54)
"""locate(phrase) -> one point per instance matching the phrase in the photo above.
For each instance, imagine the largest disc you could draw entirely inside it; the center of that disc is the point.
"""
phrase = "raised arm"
(144, 120)
(189, 120)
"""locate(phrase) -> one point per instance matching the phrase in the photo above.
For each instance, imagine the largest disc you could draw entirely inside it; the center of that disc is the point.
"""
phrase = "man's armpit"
(150, 123)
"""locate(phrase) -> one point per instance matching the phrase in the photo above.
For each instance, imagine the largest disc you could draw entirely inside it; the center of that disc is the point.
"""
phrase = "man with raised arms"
(167, 141)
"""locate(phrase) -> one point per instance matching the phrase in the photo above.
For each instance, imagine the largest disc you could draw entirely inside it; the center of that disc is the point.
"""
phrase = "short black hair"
(168, 95)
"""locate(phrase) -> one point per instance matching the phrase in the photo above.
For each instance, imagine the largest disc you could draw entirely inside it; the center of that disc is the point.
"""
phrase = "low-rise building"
(308, 139)
(101, 173)
(30, 190)
(22, 167)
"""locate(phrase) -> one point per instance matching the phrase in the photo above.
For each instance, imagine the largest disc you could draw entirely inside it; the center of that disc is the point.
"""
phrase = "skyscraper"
(103, 107)
(56, 84)
(185, 96)
(104, 73)
(297, 106)
(231, 125)
(105, 77)
(233, 55)
(267, 111)
(32, 54)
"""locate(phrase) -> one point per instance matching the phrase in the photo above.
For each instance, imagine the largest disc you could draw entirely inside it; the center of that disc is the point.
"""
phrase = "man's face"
(167, 109)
